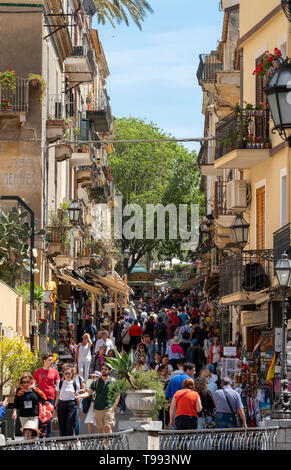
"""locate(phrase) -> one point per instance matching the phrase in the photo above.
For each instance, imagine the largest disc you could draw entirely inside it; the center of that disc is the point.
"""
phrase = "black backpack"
(161, 330)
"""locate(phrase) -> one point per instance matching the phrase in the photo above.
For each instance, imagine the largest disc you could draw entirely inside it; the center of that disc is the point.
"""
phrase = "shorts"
(104, 418)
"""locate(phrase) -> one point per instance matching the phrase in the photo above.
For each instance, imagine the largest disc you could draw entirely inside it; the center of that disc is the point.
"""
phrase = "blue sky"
(153, 72)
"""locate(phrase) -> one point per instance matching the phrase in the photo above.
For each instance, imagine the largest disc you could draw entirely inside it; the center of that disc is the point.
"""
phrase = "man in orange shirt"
(187, 404)
(135, 333)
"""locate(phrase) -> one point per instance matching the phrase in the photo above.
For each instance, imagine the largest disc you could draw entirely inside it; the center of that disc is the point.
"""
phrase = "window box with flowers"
(269, 64)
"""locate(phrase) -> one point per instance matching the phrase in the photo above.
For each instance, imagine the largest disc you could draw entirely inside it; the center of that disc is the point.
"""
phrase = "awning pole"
(115, 302)
(125, 285)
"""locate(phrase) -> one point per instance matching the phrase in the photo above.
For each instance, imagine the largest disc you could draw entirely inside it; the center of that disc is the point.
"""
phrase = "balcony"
(208, 65)
(206, 159)
(15, 104)
(78, 67)
(100, 114)
(244, 275)
(230, 152)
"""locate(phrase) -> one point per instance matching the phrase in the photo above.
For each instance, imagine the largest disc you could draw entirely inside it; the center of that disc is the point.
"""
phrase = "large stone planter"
(141, 403)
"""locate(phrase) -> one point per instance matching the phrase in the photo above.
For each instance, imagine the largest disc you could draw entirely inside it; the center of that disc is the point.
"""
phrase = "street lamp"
(282, 407)
(240, 231)
(286, 6)
(74, 212)
(278, 93)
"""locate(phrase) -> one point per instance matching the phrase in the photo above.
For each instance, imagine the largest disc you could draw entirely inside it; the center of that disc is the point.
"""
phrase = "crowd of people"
(171, 335)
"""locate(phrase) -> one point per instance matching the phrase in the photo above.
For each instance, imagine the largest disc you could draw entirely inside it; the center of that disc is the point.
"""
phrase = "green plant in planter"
(24, 291)
(8, 80)
(129, 379)
(43, 84)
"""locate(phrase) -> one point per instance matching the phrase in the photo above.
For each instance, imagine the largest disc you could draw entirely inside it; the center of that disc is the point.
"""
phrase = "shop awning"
(192, 283)
(82, 285)
(115, 285)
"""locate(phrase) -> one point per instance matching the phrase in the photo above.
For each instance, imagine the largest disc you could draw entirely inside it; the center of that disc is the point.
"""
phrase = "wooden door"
(260, 218)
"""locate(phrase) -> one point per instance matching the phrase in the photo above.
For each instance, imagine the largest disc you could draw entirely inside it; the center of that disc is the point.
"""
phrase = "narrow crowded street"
(145, 228)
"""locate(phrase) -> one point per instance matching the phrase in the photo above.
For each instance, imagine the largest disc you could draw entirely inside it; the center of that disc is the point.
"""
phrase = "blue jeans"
(121, 403)
(224, 420)
(77, 422)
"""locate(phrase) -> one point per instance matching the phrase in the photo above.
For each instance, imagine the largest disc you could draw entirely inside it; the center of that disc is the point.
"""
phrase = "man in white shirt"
(104, 340)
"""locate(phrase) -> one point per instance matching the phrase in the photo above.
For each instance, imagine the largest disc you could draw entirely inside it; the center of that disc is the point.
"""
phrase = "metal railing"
(220, 199)
(208, 65)
(17, 101)
(282, 242)
(249, 272)
(233, 129)
(220, 439)
(114, 441)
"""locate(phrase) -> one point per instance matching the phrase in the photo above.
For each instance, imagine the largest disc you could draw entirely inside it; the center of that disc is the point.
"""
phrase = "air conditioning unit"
(236, 194)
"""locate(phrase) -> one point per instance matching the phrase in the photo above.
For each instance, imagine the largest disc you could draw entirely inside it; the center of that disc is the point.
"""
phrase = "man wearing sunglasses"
(103, 412)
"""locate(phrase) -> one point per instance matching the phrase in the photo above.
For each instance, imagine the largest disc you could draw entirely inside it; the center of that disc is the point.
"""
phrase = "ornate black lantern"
(286, 6)
(74, 212)
(278, 92)
(240, 231)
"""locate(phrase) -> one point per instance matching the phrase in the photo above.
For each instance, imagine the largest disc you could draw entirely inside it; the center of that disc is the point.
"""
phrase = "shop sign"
(229, 351)
(48, 296)
(141, 277)
(254, 318)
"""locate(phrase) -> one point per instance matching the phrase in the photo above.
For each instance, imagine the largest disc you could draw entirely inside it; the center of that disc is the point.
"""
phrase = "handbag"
(49, 408)
(234, 415)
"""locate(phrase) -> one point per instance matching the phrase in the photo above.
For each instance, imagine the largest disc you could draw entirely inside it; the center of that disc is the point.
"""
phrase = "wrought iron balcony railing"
(16, 102)
(208, 65)
(231, 131)
(220, 439)
(250, 271)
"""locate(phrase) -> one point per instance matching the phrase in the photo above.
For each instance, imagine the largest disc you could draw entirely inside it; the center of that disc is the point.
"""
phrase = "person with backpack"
(66, 403)
(125, 337)
(160, 334)
(185, 336)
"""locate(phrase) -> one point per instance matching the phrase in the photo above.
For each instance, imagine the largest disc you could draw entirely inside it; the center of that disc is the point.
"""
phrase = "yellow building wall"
(268, 171)
(8, 314)
(272, 34)
(253, 11)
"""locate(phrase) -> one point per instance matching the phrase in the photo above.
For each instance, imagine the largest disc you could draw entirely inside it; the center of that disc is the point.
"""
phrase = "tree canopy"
(120, 10)
(153, 173)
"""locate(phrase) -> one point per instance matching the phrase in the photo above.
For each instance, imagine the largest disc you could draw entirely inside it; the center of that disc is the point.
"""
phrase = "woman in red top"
(187, 404)
(135, 333)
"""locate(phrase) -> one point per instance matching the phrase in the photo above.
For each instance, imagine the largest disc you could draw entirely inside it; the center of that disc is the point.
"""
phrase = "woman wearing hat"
(30, 430)
(174, 352)
(27, 400)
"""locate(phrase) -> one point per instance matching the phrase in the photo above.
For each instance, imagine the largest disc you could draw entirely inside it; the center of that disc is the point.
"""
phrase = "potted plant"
(259, 142)
(269, 63)
(250, 141)
(267, 143)
(34, 80)
(259, 108)
(144, 391)
(8, 80)
(249, 109)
